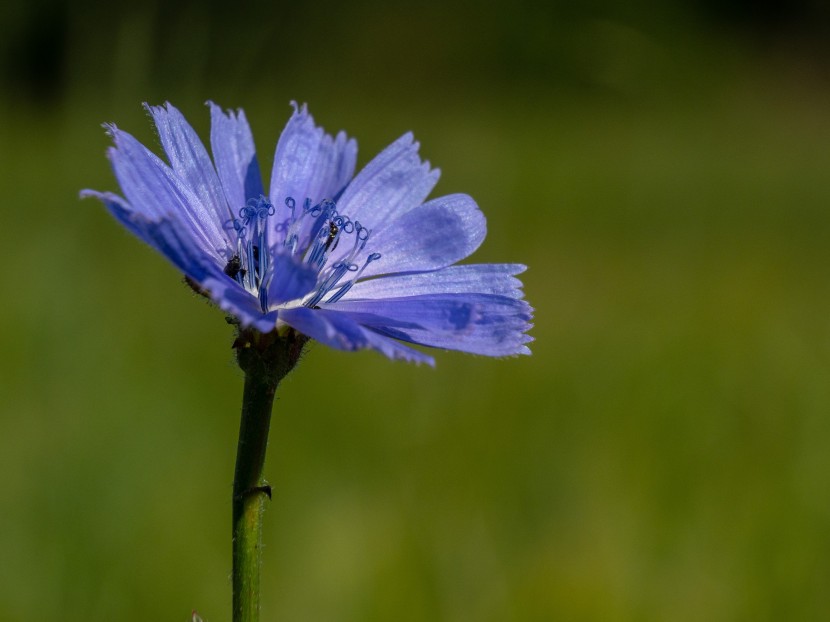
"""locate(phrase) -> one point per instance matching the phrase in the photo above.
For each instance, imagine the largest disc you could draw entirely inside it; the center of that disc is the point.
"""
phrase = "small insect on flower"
(333, 230)
(354, 261)
(234, 267)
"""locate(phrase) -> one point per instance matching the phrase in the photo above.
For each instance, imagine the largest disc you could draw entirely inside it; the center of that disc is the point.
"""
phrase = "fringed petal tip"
(88, 193)
(300, 110)
(231, 113)
(118, 137)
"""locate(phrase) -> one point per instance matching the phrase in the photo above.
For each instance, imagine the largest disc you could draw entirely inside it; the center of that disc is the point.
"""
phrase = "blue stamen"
(347, 286)
(314, 233)
(250, 264)
(339, 269)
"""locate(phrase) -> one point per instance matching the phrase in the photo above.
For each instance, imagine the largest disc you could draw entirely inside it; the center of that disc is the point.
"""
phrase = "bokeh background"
(664, 170)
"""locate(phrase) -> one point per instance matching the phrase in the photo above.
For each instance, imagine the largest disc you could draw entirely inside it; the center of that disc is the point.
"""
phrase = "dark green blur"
(664, 170)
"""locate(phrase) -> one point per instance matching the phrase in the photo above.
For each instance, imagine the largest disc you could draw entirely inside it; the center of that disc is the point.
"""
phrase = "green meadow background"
(663, 168)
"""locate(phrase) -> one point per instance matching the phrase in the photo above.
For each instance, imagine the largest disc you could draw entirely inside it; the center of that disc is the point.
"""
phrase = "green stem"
(266, 359)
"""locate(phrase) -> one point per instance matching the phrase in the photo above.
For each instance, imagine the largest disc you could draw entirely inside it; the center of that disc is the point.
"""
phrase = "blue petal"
(233, 299)
(235, 156)
(476, 323)
(396, 350)
(336, 162)
(394, 182)
(292, 279)
(165, 236)
(308, 163)
(162, 235)
(347, 335)
(119, 208)
(154, 190)
(495, 279)
(435, 235)
(190, 159)
(339, 331)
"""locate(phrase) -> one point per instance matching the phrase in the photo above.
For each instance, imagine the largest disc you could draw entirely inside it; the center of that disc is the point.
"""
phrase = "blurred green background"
(664, 170)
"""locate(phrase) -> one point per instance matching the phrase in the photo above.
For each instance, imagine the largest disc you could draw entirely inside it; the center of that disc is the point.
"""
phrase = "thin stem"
(266, 359)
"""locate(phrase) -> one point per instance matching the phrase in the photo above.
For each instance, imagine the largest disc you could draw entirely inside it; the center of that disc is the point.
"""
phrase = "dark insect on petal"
(234, 267)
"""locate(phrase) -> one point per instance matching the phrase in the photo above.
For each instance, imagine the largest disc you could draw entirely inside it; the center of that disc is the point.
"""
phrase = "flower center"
(312, 233)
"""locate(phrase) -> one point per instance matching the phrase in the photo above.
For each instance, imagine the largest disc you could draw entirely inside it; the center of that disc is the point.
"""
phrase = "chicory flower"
(351, 261)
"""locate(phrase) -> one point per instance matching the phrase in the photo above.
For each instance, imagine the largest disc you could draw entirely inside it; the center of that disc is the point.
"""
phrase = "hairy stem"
(265, 359)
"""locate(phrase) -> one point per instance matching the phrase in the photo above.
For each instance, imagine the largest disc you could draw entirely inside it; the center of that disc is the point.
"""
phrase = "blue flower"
(352, 261)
